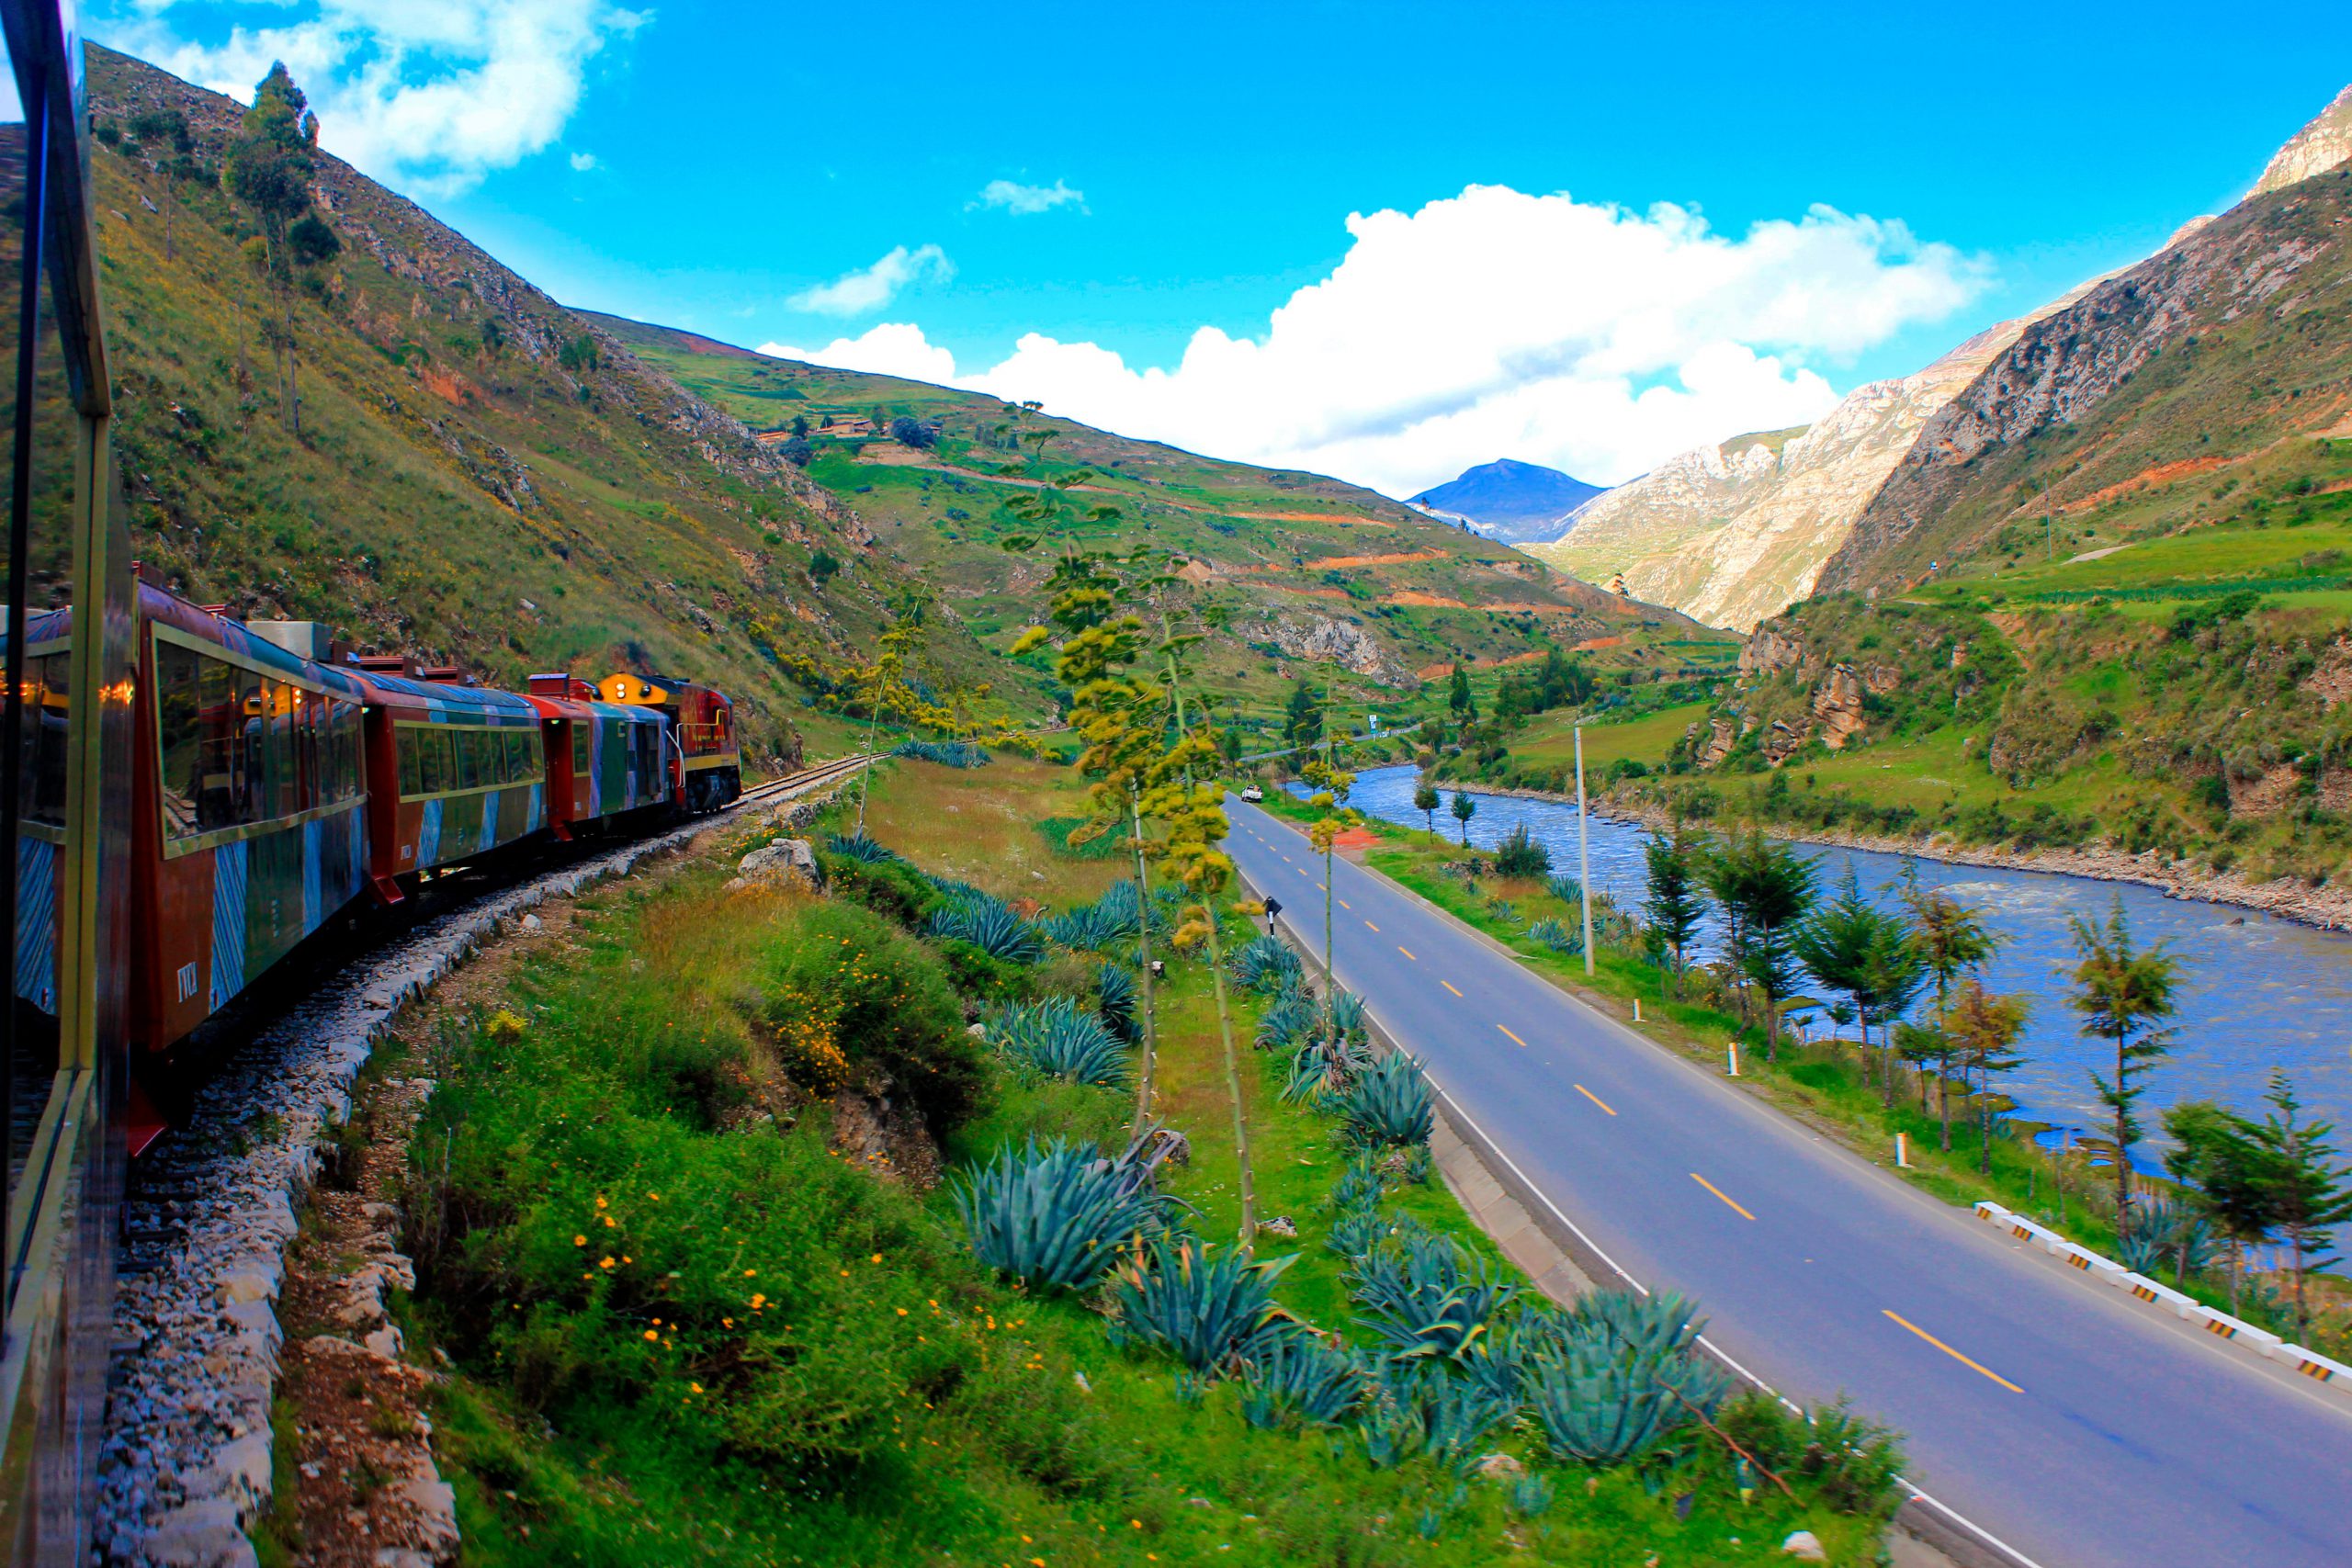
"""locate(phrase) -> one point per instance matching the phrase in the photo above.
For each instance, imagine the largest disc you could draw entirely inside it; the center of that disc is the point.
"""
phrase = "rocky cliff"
(2319, 146)
(1735, 533)
(2217, 351)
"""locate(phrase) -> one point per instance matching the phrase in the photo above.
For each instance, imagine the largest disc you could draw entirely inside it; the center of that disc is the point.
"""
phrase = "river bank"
(2322, 908)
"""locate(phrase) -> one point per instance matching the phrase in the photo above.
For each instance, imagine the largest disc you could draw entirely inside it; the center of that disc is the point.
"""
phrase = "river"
(2256, 992)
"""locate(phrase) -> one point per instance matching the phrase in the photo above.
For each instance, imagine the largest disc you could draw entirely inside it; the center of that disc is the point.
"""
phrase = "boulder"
(1805, 1546)
(782, 864)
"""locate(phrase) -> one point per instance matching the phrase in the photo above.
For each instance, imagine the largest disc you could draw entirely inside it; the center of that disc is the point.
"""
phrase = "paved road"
(2077, 1427)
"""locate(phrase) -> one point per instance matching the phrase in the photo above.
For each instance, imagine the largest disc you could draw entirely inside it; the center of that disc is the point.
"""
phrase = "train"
(276, 781)
(186, 798)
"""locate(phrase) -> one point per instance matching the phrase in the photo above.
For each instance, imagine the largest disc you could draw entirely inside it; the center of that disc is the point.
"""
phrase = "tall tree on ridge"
(269, 168)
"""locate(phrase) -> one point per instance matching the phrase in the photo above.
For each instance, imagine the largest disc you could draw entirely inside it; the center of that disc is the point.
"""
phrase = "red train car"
(702, 727)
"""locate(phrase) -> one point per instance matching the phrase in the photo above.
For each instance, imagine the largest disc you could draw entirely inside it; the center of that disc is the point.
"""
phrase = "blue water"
(2256, 992)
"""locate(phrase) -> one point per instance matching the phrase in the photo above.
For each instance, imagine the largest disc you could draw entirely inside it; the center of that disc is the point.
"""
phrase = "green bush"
(885, 999)
(890, 888)
(1519, 854)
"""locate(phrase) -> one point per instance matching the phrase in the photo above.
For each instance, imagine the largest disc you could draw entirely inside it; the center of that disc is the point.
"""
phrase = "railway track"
(185, 1465)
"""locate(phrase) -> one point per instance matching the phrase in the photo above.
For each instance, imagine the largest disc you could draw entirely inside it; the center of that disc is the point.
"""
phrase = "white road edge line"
(1963, 1520)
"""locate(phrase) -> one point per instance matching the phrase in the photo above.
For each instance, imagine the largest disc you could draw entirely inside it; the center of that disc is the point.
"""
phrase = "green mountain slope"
(1312, 574)
(2157, 657)
(479, 474)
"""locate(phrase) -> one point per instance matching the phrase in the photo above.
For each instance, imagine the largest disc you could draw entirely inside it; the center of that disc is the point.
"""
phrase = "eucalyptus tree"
(2124, 995)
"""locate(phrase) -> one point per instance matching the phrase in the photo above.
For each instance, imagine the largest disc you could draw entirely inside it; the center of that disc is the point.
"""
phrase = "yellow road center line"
(1345, 904)
(1595, 1098)
(1449, 985)
(1955, 1355)
(1514, 1038)
(1370, 927)
(1325, 889)
(1720, 1193)
(1407, 951)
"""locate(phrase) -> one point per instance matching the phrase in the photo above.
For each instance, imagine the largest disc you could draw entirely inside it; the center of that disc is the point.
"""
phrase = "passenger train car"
(186, 798)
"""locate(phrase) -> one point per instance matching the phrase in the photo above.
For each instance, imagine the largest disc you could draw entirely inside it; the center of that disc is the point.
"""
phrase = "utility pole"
(1584, 854)
(2049, 529)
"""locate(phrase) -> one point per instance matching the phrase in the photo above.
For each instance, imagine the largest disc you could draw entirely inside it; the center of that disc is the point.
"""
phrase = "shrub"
(1108, 845)
(885, 1002)
(1208, 1309)
(988, 924)
(1388, 1103)
(1851, 1464)
(1061, 1041)
(1054, 1217)
(1519, 854)
(891, 887)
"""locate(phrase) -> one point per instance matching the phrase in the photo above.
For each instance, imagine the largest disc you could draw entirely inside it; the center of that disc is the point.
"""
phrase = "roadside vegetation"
(1872, 1023)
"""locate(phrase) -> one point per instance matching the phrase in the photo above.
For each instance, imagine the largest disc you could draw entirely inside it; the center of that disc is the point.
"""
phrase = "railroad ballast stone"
(184, 1463)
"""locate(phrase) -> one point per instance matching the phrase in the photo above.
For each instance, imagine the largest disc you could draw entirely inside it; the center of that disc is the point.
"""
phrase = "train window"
(46, 688)
(432, 748)
(410, 745)
(518, 759)
(221, 745)
(469, 774)
(582, 746)
(179, 736)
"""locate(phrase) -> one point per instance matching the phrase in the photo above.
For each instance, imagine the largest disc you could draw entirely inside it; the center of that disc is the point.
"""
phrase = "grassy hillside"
(1316, 576)
(479, 475)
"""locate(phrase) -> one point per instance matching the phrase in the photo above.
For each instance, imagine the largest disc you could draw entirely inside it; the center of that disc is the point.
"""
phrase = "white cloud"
(1018, 198)
(582, 163)
(871, 287)
(427, 95)
(1494, 324)
(891, 348)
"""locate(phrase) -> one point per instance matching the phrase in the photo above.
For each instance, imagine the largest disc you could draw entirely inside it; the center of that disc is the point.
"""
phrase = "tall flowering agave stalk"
(1055, 1216)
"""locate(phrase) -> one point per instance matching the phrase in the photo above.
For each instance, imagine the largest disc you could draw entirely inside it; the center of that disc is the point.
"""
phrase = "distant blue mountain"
(1519, 503)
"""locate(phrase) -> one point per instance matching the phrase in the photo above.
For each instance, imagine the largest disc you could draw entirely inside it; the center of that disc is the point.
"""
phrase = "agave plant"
(1662, 1324)
(1348, 1017)
(988, 924)
(1360, 1185)
(1458, 1414)
(857, 846)
(1115, 998)
(1566, 889)
(1301, 1376)
(1323, 1068)
(1530, 1496)
(1599, 1409)
(1263, 962)
(947, 754)
(1289, 1019)
(1086, 929)
(1555, 936)
(1055, 1216)
(1207, 1308)
(1356, 1232)
(1425, 1298)
(1388, 1103)
(1063, 1041)
(1500, 908)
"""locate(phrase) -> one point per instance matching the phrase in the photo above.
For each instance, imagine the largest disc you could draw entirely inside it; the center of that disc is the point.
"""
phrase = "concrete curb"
(2220, 1325)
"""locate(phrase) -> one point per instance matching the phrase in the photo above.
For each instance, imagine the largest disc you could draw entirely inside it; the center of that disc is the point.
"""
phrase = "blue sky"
(803, 176)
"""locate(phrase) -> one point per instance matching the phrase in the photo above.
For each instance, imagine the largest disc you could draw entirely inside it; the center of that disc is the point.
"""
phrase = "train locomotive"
(275, 787)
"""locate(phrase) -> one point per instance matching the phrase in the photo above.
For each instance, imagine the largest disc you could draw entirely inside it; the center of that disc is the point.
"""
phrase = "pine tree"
(2124, 995)
(1985, 1029)
(2308, 1195)
(1675, 906)
(1951, 940)
(269, 168)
